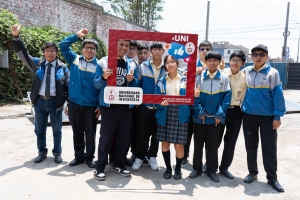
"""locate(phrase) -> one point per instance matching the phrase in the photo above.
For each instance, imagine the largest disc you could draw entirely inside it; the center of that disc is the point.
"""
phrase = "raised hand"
(164, 103)
(107, 73)
(130, 76)
(82, 33)
(15, 30)
(197, 91)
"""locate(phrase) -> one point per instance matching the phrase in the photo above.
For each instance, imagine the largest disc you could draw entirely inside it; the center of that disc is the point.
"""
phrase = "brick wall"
(67, 15)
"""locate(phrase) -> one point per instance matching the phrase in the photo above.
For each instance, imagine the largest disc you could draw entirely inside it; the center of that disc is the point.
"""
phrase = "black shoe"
(58, 159)
(250, 178)
(184, 160)
(128, 162)
(276, 185)
(90, 163)
(194, 173)
(75, 162)
(40, 158)
(204, 167)
(213, 177)
(132, 158)
(168, 174)
(123, 171)
(177, 175)
(145, 160)
(227, 174)
(99, 175)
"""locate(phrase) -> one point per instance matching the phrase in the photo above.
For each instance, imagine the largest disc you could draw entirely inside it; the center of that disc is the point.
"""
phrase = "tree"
(142, 12)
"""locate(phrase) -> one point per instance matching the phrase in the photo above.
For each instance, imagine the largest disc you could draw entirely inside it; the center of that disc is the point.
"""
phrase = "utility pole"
(286, 33)
(207, 21)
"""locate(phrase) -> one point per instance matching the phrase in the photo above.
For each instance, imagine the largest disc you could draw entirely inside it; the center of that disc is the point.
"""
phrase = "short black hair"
(90, 41)
(239, 54)
(172, 57)
(213, 54)
(133, 43)
(50, 45)
(142, 46)
(156, 45)
(205, 43)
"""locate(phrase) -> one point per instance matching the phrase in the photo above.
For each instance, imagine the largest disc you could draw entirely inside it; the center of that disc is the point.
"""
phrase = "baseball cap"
(260, 47)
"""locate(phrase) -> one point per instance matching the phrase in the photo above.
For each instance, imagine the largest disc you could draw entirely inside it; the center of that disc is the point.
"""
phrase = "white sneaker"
(153, 163)
(137, 164)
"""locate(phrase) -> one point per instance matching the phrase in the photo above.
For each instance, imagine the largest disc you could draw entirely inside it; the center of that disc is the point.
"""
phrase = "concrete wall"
(67, 15)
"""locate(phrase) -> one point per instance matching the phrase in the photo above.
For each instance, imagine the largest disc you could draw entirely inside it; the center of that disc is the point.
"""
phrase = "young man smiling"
(150, 72)
(115, 118)
(83, 96)
(262, 108)
(234, 114)
(208, 114)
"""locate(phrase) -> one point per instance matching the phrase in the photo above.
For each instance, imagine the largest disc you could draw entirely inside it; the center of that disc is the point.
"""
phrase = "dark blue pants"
(210, 135)
(233, 125)
(115, 120)
(84, 125)
(146, 128)
(42, 109)
(190, 134)
(268, 136)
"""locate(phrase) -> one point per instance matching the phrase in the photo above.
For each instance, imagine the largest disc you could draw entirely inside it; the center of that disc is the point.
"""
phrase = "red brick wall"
(67, 15)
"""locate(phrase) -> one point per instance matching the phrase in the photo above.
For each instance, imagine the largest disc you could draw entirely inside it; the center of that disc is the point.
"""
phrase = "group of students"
(223, 98)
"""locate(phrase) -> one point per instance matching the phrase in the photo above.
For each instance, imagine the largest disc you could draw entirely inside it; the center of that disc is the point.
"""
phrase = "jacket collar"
(265, 68)
(217, 76)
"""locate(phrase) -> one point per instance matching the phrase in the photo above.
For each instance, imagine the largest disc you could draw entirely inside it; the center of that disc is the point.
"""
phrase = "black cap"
(260, 47)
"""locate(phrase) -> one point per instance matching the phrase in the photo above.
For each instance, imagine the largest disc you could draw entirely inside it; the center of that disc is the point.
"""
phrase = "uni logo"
(183, 38)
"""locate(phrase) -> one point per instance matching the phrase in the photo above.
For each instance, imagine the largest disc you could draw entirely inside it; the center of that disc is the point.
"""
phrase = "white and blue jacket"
(214, 99)
(82, 72)
(147, 79)
(101, 83)
(264, 94)
(184, 110)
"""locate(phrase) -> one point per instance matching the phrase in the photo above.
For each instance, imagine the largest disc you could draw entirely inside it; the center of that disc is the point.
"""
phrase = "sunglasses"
(202, 49)
(255, 55)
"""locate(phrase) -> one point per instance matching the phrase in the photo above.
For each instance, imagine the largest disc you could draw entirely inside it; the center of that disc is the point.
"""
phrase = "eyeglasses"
(236, 61)
(132, 49)
(202, 49)
(255, 55)
(89, 48)
(170, 63)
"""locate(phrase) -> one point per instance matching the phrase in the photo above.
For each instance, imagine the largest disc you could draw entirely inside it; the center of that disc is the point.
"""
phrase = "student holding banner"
(115, 118)
(172, 120)
(149, 73)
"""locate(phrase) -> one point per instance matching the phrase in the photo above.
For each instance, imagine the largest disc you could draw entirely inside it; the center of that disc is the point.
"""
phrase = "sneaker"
(99, 175)
(123, 171)
(137, 164)
(153, 163)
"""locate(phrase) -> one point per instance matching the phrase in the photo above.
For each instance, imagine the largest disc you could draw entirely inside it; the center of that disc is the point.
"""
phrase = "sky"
(237, 22)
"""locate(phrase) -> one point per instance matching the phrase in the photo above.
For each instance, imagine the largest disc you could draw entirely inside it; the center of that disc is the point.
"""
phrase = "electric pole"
(207, 21)
(286, 33)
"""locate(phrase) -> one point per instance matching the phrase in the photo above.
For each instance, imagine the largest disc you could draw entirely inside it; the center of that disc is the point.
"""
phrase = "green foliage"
(142, 12)
(17, 80)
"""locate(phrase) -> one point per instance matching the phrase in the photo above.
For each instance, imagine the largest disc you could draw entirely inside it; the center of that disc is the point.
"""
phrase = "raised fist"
(15, 30)
(82, 33)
